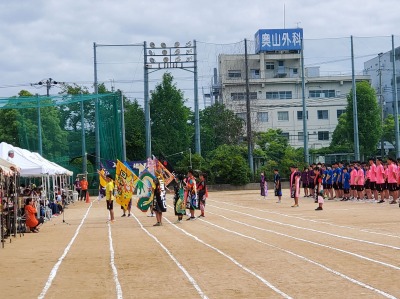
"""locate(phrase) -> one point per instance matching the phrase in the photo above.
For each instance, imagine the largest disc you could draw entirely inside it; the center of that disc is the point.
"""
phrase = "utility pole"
(395, 100)
(303, 95)
(381, 100)
(355, 114)
(248, 112)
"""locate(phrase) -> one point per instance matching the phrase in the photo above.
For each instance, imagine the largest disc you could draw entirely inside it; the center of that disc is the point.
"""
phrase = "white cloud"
(42, 39)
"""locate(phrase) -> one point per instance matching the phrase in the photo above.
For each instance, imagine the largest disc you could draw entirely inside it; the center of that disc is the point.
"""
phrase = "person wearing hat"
(295, 185)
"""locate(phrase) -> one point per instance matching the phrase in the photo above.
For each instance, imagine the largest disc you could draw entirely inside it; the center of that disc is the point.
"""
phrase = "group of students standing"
(372, 181)
(189, 194)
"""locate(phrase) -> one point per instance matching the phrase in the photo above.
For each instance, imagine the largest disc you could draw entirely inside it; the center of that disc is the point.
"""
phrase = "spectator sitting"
(30, 214)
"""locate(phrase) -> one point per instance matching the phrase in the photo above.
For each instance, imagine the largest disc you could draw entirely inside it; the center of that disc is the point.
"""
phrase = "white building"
(276, 94)
(380, 69)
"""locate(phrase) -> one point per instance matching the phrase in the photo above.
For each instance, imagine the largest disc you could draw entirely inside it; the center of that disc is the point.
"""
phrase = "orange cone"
(87, 197)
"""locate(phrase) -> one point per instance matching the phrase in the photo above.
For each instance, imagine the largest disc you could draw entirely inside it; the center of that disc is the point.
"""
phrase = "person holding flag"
(110, 196)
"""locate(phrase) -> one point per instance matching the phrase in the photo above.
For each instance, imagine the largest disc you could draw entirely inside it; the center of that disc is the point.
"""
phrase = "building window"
(323, 114)
(242, 115)
(300, 115)
(295, 71)
(323, 135)
(327, 93)
(283, 115)
(280, 63)
(300, 136)
(262, 117)
(234, 74)
(269, 65)
(282, 95)
(339, 112)
(285, 134)
(237, 96)
(255, 74)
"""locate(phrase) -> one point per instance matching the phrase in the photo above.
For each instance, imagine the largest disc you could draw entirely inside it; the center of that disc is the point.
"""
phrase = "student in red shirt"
(380, 179)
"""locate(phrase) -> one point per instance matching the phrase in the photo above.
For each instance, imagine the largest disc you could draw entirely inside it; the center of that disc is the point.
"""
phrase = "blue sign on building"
(278, 39)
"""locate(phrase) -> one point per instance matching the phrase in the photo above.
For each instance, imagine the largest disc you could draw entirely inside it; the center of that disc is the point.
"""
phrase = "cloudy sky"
(54, 39)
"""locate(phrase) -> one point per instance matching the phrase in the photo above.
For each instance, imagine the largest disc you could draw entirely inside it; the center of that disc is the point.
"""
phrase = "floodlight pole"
(147, 104)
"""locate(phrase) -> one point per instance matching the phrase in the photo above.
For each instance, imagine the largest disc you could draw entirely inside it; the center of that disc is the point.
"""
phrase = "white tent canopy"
(30, 164)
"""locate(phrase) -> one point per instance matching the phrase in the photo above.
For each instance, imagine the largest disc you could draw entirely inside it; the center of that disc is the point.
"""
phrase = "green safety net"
(61, 128)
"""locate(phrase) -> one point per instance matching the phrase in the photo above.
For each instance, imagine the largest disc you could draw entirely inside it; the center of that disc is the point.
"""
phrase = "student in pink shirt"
(372, 183)
(380, 179)
(360, 181)
(392, 180)
(353, 177)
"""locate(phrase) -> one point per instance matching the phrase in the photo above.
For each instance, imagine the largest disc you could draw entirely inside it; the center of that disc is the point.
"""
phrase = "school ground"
(244, 248)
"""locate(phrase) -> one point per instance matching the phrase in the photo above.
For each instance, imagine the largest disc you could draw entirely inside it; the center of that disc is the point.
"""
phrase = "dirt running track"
(244, 248)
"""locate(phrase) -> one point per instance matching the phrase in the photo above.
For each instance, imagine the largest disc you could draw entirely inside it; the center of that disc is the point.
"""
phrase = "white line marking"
(115, 271)
(53, 271)
(353, 280)
(314, 243)
(313, 220)
(191, 279)
(316, 231)
(267, 283)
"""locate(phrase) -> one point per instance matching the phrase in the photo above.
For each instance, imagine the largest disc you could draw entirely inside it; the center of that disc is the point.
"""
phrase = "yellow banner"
(102, 176)
(125, 183)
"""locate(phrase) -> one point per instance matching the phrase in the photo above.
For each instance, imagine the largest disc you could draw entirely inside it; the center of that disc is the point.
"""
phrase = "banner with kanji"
(125, 183)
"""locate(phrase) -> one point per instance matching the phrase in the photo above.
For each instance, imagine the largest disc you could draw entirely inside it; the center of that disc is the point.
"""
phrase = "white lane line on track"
(313, 220)
(264, 281)
(311, 242)
(53, 271)
(115, 271)
(190, 278)
(316, 231)
(353, 280)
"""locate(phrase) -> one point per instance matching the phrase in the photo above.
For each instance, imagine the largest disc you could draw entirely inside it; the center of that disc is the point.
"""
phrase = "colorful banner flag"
(125, 183)
(163, 172)
(145, 190)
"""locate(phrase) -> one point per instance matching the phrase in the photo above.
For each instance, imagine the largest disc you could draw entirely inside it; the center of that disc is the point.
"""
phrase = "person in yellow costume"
(110, 196)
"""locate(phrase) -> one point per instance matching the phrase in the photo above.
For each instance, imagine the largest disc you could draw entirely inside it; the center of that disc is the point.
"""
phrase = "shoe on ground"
(278, 201)
(157, 224)
(201, 216)
(177, 221)
(151, 215)
(191, 219)
(381, 201)
(393, 202)
(295, 206)
(129, 215)
(319, 209)
(123, 215)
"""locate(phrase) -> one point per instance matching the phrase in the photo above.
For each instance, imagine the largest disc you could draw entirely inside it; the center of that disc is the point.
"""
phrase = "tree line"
(223, 145)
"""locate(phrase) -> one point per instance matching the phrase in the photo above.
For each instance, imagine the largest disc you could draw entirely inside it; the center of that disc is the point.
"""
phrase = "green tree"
(369, 120)
(341, 136)
(273, 142)
(9, 126)
(219, 126)
(228, 166)
(169, 118)
(134, 131)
